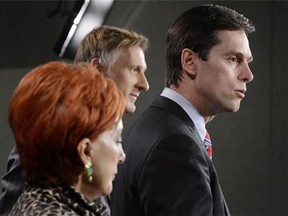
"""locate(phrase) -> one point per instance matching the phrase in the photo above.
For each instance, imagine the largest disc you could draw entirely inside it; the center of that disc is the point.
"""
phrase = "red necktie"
(208, 144)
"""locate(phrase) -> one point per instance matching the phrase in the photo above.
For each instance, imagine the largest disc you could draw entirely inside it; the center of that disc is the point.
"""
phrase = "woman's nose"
(122, 155)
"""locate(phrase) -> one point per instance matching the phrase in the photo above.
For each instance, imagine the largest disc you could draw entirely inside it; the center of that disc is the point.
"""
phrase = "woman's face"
(106, 152)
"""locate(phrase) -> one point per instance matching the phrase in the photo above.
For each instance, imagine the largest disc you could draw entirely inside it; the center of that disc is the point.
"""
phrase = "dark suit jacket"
(12, 183)
(167, 170)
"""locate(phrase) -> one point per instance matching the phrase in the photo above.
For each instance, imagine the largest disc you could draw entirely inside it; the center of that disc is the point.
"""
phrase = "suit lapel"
(174, 108)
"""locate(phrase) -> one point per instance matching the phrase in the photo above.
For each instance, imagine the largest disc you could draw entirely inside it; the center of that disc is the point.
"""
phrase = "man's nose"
(246, 74)
(142, 83)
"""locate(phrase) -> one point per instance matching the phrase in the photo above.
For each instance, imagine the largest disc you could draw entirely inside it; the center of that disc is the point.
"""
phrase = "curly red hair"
(54, 107)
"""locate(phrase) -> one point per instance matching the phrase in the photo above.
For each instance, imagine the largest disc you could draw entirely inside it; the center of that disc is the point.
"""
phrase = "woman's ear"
(95, 62)
(83, 149)
(188, 60)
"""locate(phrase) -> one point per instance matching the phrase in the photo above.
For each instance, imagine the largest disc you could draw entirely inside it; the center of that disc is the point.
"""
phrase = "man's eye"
(135, 70)
(233, 59)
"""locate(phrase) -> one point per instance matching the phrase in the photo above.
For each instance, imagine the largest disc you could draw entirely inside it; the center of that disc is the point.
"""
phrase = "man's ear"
(189, 61)
(83, 149)
(95, 62)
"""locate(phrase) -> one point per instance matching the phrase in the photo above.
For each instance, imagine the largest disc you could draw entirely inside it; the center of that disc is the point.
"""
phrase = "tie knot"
(207, 138)
(208, 144)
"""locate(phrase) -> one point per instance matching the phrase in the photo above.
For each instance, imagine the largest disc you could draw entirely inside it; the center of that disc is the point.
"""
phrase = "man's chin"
(234, 109)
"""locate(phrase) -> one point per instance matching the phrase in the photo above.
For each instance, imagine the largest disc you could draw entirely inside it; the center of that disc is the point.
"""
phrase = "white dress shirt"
(189, 109)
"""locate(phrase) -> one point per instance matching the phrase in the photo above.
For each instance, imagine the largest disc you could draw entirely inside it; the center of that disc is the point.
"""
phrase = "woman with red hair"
(67, 123)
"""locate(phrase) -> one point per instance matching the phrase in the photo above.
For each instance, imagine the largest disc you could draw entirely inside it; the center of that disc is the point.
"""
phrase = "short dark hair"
(197, 30)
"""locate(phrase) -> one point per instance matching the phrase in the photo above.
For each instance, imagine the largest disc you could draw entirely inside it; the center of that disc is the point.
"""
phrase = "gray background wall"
(250, 146)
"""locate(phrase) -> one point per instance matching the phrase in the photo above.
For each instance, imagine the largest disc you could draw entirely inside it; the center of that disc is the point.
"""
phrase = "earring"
(89, 171)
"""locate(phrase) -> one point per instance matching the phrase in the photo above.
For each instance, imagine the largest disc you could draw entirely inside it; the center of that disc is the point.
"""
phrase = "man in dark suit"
(118, 54)
(168, 170)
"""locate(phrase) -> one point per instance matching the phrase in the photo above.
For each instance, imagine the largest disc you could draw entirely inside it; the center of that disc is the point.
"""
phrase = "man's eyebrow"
(250, 59)
(240, 55)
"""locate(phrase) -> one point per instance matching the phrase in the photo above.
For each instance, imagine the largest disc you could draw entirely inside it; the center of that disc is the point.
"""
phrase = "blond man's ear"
(95, 62)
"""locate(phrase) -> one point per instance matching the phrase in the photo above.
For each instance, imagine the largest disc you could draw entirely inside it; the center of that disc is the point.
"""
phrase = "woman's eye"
(119, 142)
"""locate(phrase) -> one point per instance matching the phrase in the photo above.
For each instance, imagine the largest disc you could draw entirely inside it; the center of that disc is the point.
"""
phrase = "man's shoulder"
(12, 183)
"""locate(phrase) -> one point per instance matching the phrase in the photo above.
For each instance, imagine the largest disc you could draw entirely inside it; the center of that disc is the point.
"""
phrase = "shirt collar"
(189, 109)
